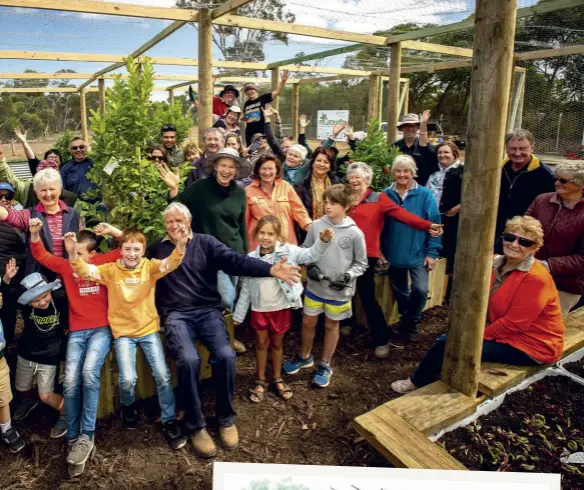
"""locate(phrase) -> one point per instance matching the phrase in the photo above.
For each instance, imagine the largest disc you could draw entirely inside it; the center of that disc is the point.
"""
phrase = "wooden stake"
(205, 72)
(83, 110)
(393, 96)
(171, 97)
(373, 106)
(490, 87)
(275, 83)
(101, 90)
(295, 110)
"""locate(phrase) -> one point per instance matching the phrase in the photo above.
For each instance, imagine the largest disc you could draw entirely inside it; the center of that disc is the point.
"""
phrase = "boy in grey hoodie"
(331, 282)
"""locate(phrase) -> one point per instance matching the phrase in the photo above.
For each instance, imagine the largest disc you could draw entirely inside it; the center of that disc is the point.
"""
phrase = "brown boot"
(203, 443)
(229, 437)
(238, 347)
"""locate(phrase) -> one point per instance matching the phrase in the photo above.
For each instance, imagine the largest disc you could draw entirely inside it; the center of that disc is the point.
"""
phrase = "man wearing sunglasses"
(175, 155)
(74, 172)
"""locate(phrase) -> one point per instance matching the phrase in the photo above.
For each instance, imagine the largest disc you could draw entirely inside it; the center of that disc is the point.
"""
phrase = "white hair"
(46, 176)
(214, 131)
(574, 168)
(301, 150)
(179, 208)
(405, 161)
(363, 169)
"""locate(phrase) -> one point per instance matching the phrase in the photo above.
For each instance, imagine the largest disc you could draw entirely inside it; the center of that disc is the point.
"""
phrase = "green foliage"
(63, 144)
(133, 194)
(375, 152)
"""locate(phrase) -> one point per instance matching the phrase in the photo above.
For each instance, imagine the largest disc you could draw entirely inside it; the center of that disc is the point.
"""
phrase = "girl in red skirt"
(272, 300)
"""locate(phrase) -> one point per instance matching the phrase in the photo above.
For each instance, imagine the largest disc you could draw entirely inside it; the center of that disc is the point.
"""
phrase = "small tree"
(129, 185)
(375, 152)
(63, 144)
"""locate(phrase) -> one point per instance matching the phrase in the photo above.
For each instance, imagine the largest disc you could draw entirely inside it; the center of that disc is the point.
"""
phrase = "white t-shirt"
(272, 298)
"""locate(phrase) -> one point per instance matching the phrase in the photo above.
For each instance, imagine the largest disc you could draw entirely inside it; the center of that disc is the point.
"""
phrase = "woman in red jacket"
(561, 214)
(369, 210)
(525, 325)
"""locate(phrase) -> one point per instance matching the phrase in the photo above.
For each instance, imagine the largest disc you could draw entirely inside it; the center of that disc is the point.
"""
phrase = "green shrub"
(63, 144)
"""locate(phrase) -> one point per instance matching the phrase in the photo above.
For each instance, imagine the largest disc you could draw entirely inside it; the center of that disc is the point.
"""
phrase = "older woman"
(268, 194)
(369, 211)
(230, 122)
(524, 321)
(411, 253)
(561, 214)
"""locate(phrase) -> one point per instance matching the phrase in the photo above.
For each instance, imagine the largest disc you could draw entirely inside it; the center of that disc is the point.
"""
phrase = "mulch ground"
(576, 368)
(314, 427)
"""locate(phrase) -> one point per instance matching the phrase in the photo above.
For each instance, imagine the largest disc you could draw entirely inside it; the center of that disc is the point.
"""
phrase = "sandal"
(285, 393)
(255, 394)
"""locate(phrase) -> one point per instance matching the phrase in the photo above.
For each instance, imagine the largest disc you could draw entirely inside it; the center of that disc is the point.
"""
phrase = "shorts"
(27, 371)
(278, 322)
(5, 391)
(335, 310)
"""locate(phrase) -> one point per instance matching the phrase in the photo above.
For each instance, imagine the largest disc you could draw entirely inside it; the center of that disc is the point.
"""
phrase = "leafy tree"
(33, 124)
(63, 144)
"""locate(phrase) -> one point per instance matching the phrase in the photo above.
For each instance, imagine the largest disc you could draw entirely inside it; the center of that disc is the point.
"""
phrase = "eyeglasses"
(524, 242)
(168, 127)
(156, 158)
(80, 147)
(8, 196)
(562, 180)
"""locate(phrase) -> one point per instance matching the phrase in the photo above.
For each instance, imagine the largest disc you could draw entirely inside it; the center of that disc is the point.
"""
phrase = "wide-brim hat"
(229, 88)
(243, 165)
(410, 118)
(36, 285)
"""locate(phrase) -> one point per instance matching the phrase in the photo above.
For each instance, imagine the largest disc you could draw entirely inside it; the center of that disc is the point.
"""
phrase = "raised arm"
(21, 137)
(283, 80)
(303, 123)
(15, 218)
(274, 145)
(21, 186)
(423, 136)
(159, 268)
(40, 253)
(97, 273)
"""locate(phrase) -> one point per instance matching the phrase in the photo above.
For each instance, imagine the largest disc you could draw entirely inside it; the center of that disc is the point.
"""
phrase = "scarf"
(317, 200)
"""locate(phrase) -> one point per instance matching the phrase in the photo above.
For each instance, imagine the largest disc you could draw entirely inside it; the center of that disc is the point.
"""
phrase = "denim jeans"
(206, 325)
(86, 351)
(226, 286)
(429, 369)
(151, 346)
(411, 299)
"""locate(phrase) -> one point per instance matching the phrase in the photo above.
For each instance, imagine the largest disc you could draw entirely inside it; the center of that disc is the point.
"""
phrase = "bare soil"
(576, 368)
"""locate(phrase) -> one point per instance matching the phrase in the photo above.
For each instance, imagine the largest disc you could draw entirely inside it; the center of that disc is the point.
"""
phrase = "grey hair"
(362, 168)
(46, 176)
(213, 130)
(405, 161)
(179, 208)
(574, 169)
(520, 134)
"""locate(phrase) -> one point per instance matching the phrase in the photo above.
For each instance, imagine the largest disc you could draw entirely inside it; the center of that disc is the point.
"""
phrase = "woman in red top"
(368, 211)
(524, 321)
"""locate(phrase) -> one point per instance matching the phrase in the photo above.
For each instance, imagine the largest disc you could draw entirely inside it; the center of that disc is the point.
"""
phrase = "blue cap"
(5, 186)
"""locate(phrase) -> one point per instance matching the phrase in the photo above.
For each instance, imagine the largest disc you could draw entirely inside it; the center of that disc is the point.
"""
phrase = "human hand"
(286, 272)
(453, 212)
(34, 226)
(268, 112)
(429, 263)
(303, 121)
(11, 270)
(19, 135)
(436, 230)
(349, 132)
(171, 179)
(338, 128)
(70, 242)
(327, 235)
(285, 76)
(182, 238)
(107, 229)
(424, 117)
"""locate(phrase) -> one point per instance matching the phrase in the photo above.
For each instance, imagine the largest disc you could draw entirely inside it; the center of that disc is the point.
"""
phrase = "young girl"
(271, 300)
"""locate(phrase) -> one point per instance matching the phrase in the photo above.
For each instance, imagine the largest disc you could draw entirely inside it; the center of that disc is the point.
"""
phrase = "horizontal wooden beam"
(80, 76)
(432, 67)
(549, 53)
(317, 56)
(227, 7)
(37, 89)
(333, 78)
(437, 48)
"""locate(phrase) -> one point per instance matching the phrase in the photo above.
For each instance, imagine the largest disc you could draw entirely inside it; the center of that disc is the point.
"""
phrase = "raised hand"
(327, 235)
(337, 128)
(436, 229)
(182, 238)
(11, 270)
(349, 132)
(171, 179)
(286, 272)
(19, 135)
(70, 242)
(285, 76)
(34, 226)
(268, 112)
(425, 117)
(303, 121)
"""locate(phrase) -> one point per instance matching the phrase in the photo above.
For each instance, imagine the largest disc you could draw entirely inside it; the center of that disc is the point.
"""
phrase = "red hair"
(133, 236)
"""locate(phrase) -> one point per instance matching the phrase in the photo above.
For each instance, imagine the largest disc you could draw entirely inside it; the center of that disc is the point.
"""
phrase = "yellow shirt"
(132, 311)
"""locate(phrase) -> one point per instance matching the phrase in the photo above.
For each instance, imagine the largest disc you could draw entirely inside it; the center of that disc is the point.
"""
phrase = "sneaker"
(81, 450)
(26, 406)
(322, 378)
(346, 330)
(59, 429)
(238, 347)
(130, 417)
(229, 436)
(174, 434)
(13, 440)
(298, 363)
(203, 444)
(382, 351)
(76, 470)
(403, 386)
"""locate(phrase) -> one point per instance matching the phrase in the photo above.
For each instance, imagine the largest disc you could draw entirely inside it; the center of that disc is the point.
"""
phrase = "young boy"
(89, 338)
(331, 282)
(134, 320)
(42, 342)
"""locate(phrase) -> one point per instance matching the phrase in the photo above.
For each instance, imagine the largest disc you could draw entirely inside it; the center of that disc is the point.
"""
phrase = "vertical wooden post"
(402, 97)
(101, 91)
(407, 98)
(171, 97)
(275, 83)
(373, 106)
(295, 110)
(205, 72)
(83, 111)
(491, 80)
(393, 96)
(380, 104)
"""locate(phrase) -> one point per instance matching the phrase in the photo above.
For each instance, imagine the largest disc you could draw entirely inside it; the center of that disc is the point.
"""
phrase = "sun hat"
(249, 86)
(256, 137)
(36, 285)
(234, 108)
(229, 88)
(243, 165)
(410, 118)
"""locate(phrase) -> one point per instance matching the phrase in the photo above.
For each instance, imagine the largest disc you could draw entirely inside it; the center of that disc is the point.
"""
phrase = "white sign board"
(326, 121)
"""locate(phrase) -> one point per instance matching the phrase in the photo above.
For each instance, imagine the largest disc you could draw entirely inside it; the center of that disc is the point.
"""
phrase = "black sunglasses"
(562, 180)
(80, 147)
(153, 158)
(168, 127)
(8, 196)
(524, 242)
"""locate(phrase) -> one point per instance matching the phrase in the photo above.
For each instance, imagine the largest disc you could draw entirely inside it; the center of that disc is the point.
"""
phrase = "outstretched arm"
(278, 91)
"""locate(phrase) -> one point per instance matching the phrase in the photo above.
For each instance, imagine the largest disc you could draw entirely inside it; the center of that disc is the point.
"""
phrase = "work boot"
(229, 436)
(203, 444)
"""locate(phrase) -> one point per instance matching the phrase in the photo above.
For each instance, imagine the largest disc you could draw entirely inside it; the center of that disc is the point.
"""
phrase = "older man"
(213, 141)
(74, 172)
(190, 309)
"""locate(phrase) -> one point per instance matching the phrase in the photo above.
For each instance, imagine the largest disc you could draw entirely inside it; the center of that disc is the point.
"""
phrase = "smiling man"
(74, 172)
(176, 156)
(213, 141)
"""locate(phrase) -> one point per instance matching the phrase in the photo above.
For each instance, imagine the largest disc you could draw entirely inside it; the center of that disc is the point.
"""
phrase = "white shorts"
(28, 371)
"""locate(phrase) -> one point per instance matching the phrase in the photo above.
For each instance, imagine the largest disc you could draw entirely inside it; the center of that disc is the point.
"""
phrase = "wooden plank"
(401, 443)
(550, 53)
(496, 378)
(101, 90)
(432, 67)
(295, 110)
(227, 7)
(574, 336)
(373, 100)
(171, 97)
(83, 76)
(83, 115)
(393, 96)
(317, 56)
(437, 48)
(33, 90)
(205, 108)
(274, 86)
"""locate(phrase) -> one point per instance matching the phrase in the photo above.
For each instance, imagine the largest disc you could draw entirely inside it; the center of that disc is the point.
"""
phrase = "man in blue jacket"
(74, 172)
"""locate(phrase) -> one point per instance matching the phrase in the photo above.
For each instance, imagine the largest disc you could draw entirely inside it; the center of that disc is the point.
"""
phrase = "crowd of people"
(251, 212)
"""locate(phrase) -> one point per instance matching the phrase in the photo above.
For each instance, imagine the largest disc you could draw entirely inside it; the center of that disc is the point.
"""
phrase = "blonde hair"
(528, 226)
(574, 168)
(404, 161)
(361, 168)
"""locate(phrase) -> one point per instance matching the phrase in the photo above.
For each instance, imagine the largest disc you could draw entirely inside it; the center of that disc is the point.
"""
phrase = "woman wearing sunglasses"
(524, 323)
(158, 155)
(561, 214)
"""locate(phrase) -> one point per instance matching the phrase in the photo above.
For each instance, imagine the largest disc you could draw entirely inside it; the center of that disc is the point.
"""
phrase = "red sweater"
(369, 215)
(525, 313)
(87, 299)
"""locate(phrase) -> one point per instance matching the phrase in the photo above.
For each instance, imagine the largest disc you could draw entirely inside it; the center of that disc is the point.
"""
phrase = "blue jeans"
(429, 369)
(86, 351)
(226, 287)
(411, 299)
(151, 346)
(206, 325)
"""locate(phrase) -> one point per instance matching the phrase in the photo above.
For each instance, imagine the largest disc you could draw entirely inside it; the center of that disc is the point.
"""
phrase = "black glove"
(341, 283)
(313, 272)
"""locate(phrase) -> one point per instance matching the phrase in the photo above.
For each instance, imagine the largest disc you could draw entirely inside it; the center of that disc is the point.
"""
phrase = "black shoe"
(26, 406)
(407, 331)
(13, 440)
(174, 434)
(130, 417)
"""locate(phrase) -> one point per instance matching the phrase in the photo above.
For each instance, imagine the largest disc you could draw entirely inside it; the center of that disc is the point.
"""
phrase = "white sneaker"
(382, 351)
(403, 386)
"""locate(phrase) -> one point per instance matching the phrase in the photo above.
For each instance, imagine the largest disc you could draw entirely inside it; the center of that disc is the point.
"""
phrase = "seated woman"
(524, 321)
(561, 214)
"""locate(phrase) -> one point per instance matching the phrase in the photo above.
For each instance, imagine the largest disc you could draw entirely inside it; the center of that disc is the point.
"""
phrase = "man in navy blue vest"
(74, 172)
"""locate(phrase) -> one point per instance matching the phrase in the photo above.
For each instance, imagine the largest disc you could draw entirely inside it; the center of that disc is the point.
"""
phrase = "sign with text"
(326, 121)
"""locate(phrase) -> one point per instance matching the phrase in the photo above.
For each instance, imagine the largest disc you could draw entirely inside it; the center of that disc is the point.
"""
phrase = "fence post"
(373, 106)
(171, 97)
(83, 114)
(490, 87)
(393, 96)
(101, 91)
(295, 110)
(205, 72)
(275, 83)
